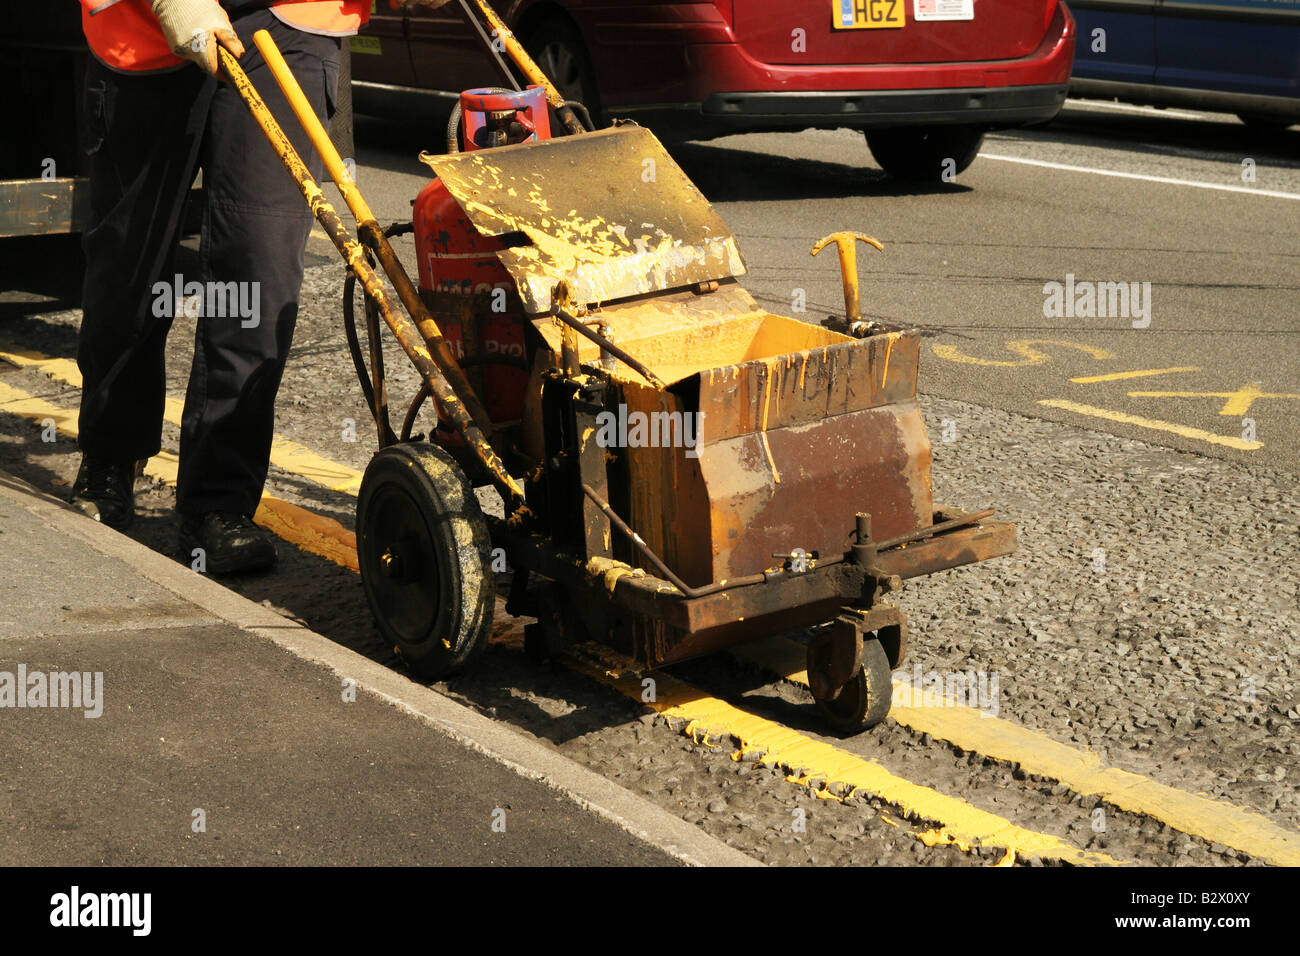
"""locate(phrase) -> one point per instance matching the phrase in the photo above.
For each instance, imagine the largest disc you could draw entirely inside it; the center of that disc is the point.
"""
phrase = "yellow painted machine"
(680, 469)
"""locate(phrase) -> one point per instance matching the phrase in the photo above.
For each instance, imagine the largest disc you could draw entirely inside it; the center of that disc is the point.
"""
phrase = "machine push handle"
(370, 230)
(412, 338)
(526, 65)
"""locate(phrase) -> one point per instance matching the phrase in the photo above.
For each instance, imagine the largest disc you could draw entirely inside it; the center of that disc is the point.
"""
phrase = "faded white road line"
(1222, 187)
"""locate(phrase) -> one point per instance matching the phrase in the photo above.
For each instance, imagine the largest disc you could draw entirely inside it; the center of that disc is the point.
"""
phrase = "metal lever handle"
(847, 245)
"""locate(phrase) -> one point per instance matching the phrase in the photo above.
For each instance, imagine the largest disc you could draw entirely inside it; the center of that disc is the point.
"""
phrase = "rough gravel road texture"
(1151, 615)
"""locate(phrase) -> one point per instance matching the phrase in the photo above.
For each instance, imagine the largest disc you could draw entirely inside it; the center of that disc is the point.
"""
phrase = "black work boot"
(229, 543)
(105, 490)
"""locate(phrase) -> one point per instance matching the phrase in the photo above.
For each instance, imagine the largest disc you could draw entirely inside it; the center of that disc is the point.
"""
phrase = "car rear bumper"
(724, 113)
(867, 108)
(719, 89)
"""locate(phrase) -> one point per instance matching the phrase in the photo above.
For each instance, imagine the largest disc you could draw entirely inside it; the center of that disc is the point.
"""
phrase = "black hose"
(350, 324)
(354, 342)
(583, 114)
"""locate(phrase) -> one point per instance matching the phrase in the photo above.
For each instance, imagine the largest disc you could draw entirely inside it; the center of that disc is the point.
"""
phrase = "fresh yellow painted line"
(329, 539)
(1080, 770)
(17, 402)
(964, 825)
(316, 533)
(807, 760)
(285, 454)
(1186, 431)
(1139, 373)
(1236, 403)
(61, 369)
(1022, 347)
(309, 531)
(301, 460)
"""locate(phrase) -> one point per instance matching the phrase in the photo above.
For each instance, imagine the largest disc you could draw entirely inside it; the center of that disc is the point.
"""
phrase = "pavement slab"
(201, 741)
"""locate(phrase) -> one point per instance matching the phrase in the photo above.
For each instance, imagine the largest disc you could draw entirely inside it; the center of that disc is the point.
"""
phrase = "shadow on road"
(40, 274)
(725, 174)
(1160, 135)
(722, 172)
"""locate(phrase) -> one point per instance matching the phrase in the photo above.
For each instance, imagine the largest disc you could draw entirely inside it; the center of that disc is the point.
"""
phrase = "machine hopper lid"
(609, 213)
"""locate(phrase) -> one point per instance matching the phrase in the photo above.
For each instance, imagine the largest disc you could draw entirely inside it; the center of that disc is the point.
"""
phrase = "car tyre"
(925, 153)
(557, 47)
(1265, 124)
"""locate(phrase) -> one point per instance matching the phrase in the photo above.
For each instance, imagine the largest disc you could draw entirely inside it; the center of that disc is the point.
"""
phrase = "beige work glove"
(193, 29)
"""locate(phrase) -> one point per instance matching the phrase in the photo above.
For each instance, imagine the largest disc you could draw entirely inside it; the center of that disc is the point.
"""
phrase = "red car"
(923, 79)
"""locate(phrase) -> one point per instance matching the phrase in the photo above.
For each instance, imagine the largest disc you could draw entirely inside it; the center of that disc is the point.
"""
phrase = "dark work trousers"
(145, 137)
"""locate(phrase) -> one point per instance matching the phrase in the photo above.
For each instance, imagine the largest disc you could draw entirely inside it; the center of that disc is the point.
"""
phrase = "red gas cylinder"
(456, 259)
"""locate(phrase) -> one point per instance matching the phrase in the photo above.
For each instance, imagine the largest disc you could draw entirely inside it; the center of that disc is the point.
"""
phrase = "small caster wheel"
(863, 700)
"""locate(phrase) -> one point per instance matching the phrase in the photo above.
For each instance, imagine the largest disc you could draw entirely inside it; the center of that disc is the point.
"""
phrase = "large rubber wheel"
(864, 700)
(557, 47)
(425, 557)
(921, 153)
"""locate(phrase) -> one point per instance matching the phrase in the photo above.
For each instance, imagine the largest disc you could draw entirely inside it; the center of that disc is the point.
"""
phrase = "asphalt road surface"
(1107, 194)
(1147, 457)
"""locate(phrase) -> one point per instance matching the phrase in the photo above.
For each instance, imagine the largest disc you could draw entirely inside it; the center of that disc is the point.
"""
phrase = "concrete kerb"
(530, 759)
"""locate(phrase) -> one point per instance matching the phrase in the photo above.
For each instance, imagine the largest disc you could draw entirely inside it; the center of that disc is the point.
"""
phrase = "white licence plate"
(943, 9)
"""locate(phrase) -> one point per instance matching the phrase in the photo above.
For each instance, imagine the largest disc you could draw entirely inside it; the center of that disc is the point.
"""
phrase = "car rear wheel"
(925, 153)
(557, 48)
(1264, 124)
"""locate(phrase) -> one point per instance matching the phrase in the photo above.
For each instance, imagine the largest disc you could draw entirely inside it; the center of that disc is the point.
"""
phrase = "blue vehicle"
(1232, 56)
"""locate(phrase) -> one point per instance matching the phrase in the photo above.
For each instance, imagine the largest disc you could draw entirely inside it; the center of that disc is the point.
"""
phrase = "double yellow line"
(807, 760)
(1081, 770)
(311, 532)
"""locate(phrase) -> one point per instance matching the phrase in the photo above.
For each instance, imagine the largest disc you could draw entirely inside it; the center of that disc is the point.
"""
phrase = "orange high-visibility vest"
(124, 34)
(336, 18)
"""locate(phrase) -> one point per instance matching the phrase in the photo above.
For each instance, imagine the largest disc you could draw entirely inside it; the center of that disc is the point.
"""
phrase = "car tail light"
(725, 8)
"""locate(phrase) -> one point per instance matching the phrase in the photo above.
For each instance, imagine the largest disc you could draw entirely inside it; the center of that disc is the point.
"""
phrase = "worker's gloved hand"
(193, 29)
(427, 4)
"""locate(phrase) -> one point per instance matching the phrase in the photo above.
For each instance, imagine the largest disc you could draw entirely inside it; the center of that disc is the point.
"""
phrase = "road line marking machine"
(680, 469)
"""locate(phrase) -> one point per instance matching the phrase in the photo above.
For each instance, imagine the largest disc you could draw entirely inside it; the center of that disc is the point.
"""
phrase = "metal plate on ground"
(609, 212)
